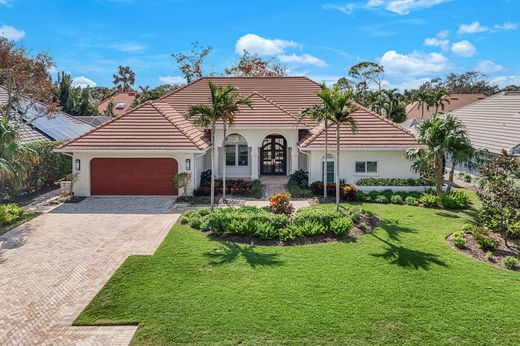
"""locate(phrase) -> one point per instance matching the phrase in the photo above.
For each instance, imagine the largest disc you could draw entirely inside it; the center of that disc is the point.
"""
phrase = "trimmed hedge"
(394, 182)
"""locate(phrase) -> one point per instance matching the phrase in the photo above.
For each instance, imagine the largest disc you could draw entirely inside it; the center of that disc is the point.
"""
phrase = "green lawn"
(26, 216)
(400, 285)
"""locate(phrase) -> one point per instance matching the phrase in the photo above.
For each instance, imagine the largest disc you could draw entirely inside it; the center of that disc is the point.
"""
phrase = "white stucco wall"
(82, 184)
(391, 164)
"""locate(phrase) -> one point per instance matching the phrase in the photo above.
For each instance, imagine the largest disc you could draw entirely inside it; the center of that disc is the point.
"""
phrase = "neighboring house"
(93, 120)
(414, 111)
(36, 124)
(493, 123)
(121, 102)
(139, 152)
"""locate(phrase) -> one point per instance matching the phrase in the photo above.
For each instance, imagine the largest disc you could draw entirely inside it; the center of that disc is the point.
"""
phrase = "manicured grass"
(400, 285)
(26, 216)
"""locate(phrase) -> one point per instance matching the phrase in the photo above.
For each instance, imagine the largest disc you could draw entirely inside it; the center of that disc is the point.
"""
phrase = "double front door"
(273, 155)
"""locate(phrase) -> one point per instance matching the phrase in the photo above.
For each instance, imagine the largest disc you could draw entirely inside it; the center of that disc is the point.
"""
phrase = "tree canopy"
(252, 65)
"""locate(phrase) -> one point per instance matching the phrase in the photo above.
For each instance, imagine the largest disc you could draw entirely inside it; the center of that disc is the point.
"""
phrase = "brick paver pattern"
(52, 266)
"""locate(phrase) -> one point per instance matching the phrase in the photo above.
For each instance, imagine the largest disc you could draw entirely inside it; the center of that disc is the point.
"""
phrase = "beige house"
(139, 152)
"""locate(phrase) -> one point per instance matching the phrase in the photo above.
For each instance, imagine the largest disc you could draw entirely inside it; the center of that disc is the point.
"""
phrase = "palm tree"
(438, 99)
(423, 99)
(11, 166)
(439, 135)
(124, 79)
(338, 107)
(224, 104)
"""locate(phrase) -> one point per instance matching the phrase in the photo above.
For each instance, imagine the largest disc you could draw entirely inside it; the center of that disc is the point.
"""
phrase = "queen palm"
(438, 100)
(423, 98)
(338, 107)
(223, 106)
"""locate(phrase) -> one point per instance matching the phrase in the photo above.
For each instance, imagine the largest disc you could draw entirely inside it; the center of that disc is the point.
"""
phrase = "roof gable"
(152, 126)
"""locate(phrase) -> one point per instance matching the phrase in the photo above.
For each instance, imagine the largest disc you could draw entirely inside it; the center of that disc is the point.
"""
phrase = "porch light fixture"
(188, 164)
(78, 164)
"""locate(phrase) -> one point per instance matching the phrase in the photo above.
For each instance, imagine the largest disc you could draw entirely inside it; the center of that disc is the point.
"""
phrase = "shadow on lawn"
(230, 252)
(394, 229)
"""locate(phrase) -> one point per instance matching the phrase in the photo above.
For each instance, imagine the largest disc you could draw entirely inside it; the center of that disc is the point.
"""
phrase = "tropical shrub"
(429, 200)
(394, 182)
(489, 255)
(297, 191)
(300, 177)
(468, 178)
(347, 192)
(360, 196)
(482, 238)
(237, 187)
(396, 199)
(9, 213)
(510, 262)
(281, 204)
(381, 199)
(341, 226)
(454, 200)
(458, 239)
(412, 201)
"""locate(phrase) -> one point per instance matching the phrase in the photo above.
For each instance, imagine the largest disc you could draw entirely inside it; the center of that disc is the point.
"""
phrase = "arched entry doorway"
(273, 155)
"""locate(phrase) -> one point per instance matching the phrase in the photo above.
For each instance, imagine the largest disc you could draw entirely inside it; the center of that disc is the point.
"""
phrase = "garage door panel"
(133, 176)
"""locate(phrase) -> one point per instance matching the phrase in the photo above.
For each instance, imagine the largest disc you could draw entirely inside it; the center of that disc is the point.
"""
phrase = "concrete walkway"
(52, 266)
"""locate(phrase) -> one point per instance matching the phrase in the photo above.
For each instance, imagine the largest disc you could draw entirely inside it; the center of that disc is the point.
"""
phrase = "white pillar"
(254, 163)
(294, 159)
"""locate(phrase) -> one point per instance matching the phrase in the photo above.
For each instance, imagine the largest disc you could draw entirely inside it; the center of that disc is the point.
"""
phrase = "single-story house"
(414, 112)
(493, 123)
(121, 102)
(139, 152)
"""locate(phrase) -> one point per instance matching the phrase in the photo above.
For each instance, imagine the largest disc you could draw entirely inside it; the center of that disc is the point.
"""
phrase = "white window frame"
(324, 171)
(237, 160)
(366, 172)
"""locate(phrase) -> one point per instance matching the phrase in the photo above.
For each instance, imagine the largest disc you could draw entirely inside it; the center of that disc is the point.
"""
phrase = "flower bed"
(235, 187)
(394, 182)
(307, 225)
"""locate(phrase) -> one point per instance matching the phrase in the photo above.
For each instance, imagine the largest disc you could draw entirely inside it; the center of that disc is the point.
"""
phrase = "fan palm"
(338, 107)
(223, 106)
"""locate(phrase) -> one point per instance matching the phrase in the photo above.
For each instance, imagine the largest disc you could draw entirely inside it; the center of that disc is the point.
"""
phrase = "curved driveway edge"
(52, 266)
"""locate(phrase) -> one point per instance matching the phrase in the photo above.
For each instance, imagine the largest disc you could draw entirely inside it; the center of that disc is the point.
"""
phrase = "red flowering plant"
(281, 204)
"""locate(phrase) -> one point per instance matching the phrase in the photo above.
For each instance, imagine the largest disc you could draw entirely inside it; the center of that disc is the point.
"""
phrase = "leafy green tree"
(224, 104)
(367, 72)
(252, 65)
(109, 111)
(338, 107)
(438, 99)
(124, 79)
(11, 151)
(190, 64)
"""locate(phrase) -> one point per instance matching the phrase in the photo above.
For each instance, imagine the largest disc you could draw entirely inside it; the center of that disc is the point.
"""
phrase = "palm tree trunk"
(224, 165)
(450, 178)
(337, 167)
(212, 193)
(325, 168)
(422, 111)
(438, 175)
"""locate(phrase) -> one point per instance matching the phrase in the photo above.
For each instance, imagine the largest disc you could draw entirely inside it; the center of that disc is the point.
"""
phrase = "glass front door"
(274, 153)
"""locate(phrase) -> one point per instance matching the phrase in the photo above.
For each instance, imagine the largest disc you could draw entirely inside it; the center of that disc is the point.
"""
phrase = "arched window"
(237, 153)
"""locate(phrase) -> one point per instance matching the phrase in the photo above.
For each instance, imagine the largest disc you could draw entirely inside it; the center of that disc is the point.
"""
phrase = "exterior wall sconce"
(78, 164)
(188, 164)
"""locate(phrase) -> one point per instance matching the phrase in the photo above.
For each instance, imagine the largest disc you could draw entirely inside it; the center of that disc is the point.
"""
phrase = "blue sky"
(413, 39)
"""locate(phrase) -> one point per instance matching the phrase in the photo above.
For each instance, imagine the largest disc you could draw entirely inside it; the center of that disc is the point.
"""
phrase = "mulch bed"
(371, 222)
(473, 249)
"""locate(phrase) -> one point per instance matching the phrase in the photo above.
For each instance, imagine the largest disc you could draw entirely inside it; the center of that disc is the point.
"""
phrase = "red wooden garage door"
(132, 176)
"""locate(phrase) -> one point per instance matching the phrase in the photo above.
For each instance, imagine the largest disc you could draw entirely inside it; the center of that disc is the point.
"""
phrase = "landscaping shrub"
(360, 196)
(341, 226)
(347, 192)
(281, 204)
(317, 188)
(454, 200)
(489, 255)
(468, 178)
(312, 228)
(298, 191)
(458, 239)
(300, 178)
(237, 187)
(429, 200)
(9, 213)
(482, 238)
(381, 199)
(396, 199)
(411, 201)
(469, 228)
(510, 262)
(394, 182)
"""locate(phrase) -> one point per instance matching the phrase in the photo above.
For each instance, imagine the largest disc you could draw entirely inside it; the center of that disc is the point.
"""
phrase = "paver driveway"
(52, 266)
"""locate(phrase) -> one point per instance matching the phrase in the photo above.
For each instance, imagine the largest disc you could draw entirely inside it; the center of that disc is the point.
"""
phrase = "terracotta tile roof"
(95, 120)
(265, 113)
(373, 131)
(290, 93)
(28, 134)
(152, 126)
(456, 101)
(125, 98)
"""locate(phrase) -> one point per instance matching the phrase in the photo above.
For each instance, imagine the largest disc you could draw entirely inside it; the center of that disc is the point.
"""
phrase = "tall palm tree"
(339, 106)
(439, 135)
(438, 99)
(423, 100)
(223, 106)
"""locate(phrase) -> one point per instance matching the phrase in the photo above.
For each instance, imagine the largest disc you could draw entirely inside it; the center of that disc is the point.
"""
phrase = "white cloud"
(503, 81)
(304, 59)
(172, 79)
(3, 2)
(11, 33)
(409, 84)
(403, 7)
(488, 66)
(443, 34)
(413, 64)
(128, 46)
(472, 28)
(463, 48)
(327, 79)
(347, 9)
(83, 82)
(435, 42)
(262, 46)
(506, 26)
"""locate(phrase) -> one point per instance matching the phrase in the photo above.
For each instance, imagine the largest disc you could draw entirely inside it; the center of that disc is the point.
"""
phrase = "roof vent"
(120, 105)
